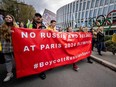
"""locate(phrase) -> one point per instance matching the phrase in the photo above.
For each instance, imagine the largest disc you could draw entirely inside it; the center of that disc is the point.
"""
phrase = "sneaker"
(8, 77)
(75, 68)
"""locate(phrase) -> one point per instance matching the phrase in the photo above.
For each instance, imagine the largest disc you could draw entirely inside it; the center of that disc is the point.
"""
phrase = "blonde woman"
(6, 40)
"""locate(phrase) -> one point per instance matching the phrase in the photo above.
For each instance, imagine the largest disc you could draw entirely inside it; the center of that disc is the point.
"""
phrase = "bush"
(110, 45)
(107, 38)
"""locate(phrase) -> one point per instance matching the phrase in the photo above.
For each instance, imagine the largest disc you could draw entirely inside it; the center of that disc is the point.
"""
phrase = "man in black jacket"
(38, 24)
(100, 40)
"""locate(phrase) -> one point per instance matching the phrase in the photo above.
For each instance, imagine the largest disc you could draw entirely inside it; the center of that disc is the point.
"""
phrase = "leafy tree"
(21, 11)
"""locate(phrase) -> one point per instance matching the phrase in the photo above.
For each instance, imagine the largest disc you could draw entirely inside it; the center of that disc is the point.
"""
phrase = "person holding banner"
(75, 67)
(6, 41)
(21, 25)
(94, 37)
(85, 29)
(52, 25)
(80, 29)
(38, 24)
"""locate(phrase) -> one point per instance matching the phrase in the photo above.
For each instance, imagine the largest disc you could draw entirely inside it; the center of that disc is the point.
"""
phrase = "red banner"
(37, 50)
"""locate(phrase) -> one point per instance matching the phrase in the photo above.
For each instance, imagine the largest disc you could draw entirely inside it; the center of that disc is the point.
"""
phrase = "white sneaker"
(76, 69)
(8, 77)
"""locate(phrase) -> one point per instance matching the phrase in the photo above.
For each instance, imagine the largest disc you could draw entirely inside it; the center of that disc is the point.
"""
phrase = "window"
(81, 0)
(100, 11)
(110, 32)
(115, 6)
(111, 8)
(76, 14)
(112, 1)
(70, 7)
(97, 3)
(80, 7)
(84, 5)
(79, 16)
(82, 15)
(92, 3)
(90, 13)
(114, 17)
(105, 10)
(107, 2)
(101, 2)
(65, 9)
(95, 13)
(86, 15)
(88, 4)
(73, 6)
(76, 7)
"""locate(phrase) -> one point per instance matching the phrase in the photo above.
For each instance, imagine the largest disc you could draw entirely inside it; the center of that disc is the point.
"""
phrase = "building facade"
(79, 12)
(48, 16)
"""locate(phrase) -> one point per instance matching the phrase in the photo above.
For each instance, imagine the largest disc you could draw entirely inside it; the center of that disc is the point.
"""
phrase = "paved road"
(89, 75)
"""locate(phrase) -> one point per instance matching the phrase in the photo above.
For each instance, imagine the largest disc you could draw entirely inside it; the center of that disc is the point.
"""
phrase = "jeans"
(100, 47)
(9, 61)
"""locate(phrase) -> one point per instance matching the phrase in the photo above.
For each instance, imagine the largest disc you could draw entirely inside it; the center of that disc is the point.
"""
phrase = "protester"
(85, 29)
(59, 29)
(38, 24)
(94, 37)
(21, 25)
(75, 67)
(6, 41)
(100, 40)
(52, 25)
(29, 24)
(80, 29)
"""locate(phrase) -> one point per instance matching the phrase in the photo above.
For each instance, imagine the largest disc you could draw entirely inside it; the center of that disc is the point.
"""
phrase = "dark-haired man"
(38, 24)
(52, 25)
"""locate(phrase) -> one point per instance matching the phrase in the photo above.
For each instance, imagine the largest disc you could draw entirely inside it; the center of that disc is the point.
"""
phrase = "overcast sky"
(52, 5)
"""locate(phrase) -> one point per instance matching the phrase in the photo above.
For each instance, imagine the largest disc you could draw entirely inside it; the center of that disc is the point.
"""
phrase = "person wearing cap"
(38, 24)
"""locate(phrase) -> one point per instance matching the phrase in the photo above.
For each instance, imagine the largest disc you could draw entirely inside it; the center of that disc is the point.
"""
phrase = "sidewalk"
(107, 59)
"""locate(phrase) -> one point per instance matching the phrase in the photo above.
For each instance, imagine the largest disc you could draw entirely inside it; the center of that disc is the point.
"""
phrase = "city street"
(42, 34)
(89, 75)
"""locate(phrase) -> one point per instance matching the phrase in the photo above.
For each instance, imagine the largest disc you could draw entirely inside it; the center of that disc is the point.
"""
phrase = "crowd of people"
(37, 23)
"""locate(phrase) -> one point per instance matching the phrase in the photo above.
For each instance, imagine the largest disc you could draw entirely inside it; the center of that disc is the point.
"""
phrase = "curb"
(103, 62)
